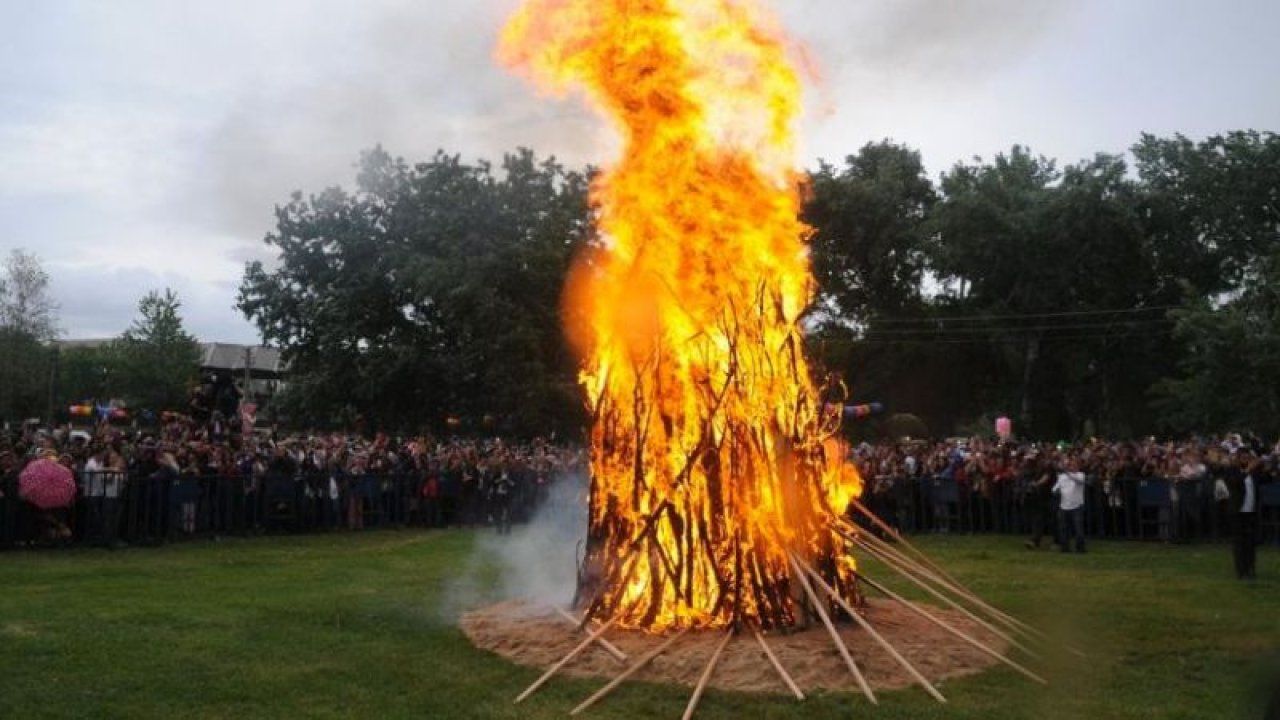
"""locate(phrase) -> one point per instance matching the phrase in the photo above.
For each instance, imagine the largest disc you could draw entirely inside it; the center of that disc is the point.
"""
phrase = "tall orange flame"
(709, 462)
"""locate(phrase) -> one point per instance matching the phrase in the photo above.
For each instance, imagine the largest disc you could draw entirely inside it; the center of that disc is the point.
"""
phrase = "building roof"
(264, 361)
(83, 343)
(230, 356)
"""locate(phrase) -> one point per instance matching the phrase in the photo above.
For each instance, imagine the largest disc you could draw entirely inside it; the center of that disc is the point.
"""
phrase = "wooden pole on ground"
(608, 646)
(777, 665)
(866, 625)
(706, 676)
(594, 636)
(949, 628)
(835, 636)
(645, 660)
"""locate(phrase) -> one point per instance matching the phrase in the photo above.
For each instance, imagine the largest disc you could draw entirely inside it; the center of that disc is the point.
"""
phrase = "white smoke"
(536, 562)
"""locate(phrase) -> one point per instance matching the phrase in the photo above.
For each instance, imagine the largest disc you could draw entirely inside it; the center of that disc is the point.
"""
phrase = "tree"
(1213, 211)
(431, 290)
(1053, 277)
(24, 375)
(87, 373)
(1214, 206)
(1230, 370)
(28, 323)
(26, 306)
(158, 359)
(870, 243)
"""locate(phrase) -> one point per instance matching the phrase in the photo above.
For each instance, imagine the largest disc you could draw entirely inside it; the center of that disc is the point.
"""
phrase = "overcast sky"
(144, 143)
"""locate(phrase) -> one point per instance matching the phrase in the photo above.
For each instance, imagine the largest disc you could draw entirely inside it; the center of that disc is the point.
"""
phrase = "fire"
(712, 457)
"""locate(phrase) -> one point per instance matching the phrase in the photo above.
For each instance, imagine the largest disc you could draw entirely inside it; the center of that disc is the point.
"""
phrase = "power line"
(996, 330)
(1005, 340)
(1023, 316)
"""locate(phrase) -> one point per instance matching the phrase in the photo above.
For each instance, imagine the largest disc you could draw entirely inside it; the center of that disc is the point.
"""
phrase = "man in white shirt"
(1070, 491)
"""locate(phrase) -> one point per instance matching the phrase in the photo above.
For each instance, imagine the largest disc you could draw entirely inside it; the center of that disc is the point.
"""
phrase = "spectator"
(1070, 491)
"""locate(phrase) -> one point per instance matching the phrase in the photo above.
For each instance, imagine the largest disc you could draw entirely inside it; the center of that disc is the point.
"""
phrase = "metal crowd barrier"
(119, 508)
(1125, 509)
(142, 510)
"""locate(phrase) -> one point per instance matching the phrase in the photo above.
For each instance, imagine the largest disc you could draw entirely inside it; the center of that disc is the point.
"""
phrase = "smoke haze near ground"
(537, 561)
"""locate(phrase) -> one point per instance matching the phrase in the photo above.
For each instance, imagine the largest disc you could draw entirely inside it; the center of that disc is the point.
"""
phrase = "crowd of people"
(1209, 487)
(189, 477)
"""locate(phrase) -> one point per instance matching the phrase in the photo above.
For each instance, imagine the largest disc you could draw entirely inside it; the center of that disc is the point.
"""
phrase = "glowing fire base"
(915, 643)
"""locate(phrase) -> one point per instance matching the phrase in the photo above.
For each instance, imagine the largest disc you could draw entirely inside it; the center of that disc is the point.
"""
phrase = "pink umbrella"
(47, 485)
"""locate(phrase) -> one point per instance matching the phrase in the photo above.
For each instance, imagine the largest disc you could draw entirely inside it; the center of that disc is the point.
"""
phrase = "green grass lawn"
(363, 626)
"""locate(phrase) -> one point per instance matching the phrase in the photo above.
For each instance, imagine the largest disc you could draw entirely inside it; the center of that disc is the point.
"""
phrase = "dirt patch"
(538, 637)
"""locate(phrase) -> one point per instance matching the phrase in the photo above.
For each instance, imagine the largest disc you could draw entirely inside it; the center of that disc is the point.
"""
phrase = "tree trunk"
(1028, 366)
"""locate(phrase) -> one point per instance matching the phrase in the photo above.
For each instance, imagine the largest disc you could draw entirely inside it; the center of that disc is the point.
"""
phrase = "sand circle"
(537, 636)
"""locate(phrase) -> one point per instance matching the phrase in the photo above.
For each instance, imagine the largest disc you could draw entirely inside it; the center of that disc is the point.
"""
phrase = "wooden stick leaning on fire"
(921, 569)
(867, 627)
(584, 625)
(706, 674)
(816, 602)
(777, 665)
(945, 626)
(633, 669)
(937, 574)
(928, 569)
(593, 637)
(908, 571)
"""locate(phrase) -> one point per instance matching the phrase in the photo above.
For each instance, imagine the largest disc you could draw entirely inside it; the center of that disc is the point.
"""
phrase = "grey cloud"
(919, 41)
(420, 78)
(102, 303)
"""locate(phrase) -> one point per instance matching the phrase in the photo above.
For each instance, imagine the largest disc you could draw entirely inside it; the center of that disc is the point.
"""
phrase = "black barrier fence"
(1121, 509)
(114, 508)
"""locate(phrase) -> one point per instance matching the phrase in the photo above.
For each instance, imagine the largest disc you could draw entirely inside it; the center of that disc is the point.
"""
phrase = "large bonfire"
(714, 475)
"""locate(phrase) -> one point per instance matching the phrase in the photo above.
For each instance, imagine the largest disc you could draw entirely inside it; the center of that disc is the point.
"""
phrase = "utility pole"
(53, 383)
(248, 375)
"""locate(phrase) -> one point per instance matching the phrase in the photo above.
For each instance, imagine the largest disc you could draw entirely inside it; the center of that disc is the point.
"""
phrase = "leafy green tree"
(1052, 276)
(24, 375)
(28, 323)
(1213, 206)
(26, 305)
(158, 359)
(1230, 370)
(87, 373)
(431, 290)
(1213, 211)
(871, 241)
